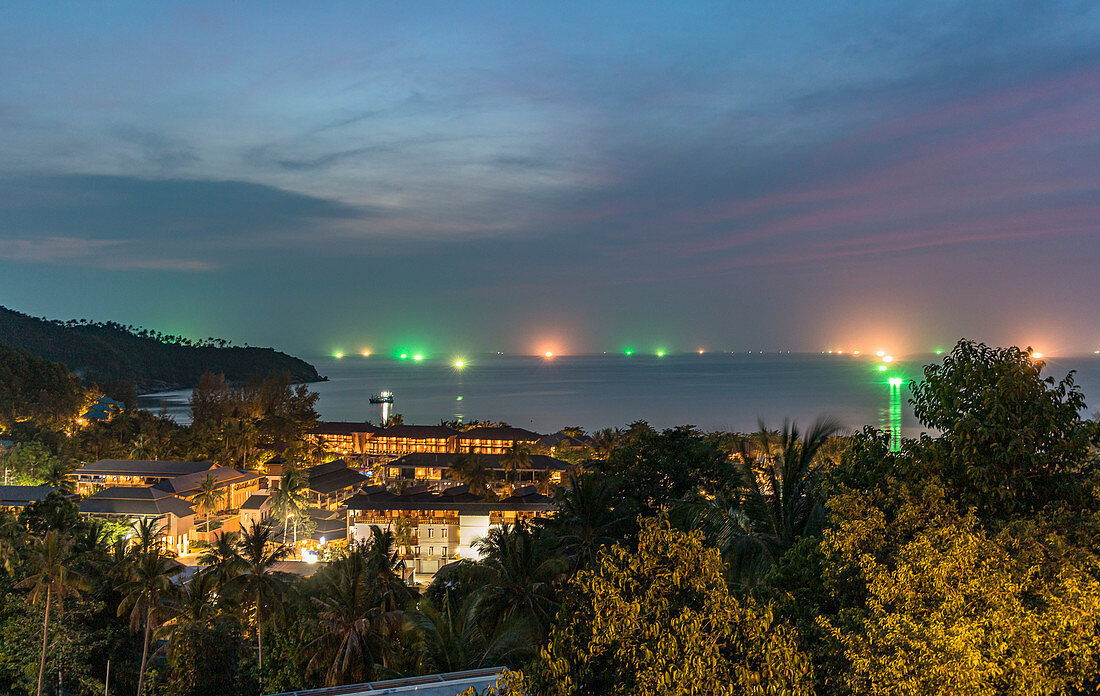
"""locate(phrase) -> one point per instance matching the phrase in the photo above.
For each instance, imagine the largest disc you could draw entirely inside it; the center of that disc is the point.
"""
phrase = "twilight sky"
(567, 176)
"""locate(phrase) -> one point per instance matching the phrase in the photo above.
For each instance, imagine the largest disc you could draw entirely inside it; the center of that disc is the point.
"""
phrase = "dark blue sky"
(575, 176)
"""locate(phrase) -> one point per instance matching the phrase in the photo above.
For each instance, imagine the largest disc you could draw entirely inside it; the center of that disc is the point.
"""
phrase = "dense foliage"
(110, 352)
(786, 562)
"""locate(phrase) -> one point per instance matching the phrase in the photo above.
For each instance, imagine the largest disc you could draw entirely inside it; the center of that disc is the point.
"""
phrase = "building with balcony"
(493, 440)
(433, 529)
(332, 483)
(135, 473)
(435, 470)
(236, 486)
(175, 516)
(398, 440)
(342, 437)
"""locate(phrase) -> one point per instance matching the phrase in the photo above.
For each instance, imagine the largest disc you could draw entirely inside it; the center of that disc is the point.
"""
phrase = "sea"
(712, 391)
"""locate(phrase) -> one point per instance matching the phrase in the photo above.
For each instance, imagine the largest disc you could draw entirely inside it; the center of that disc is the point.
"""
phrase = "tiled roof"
(342, 428)
(256, 501)
(189, 484)
(333, 476)
(147, 501)
(457, 498)
(18, 496)
(539, 462)
(142, 467)
(519, 434)
(418, 432)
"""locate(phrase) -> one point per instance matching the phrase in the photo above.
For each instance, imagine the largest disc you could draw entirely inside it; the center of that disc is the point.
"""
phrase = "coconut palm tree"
(194, 607)
(516, 457)
(53, 579)
(523, 571)
(386, 567)
(221, 560)
(351, 620)
(292, 495)
(472, 470)
(776, 500)
(145, 592)
(209, 498)
(257, 581)
(56, 474)
(592, 513)
(12, 539)
(451, 637)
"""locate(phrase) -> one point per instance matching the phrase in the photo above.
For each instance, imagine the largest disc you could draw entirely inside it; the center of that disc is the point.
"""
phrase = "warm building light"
(840, 352)
(548, 354)
(855, 352)
(880, 353)
(1036, 354)
(830, 352)
(887, 358)
(366, 354)
(700, 351)
(460, 364)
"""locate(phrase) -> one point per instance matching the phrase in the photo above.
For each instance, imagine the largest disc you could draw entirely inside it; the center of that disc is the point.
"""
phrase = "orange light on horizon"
(700, 351)
(1036, 354)
(880, 353)
(548, 354)
(855, 352)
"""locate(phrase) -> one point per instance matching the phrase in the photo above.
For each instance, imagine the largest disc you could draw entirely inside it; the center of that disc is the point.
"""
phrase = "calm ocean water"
(713, 391)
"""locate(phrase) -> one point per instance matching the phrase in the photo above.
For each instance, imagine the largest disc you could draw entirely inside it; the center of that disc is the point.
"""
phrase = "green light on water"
(660, 354)
(882, 368)
(629, 351)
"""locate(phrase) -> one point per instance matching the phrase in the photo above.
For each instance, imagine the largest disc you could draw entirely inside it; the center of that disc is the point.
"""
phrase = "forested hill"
(111, 352)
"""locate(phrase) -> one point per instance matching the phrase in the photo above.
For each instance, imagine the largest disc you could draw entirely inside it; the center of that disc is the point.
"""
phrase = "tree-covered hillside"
(111, 352)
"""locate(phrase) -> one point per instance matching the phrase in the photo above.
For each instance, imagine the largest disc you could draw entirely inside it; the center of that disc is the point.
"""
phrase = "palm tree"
(775, 503)
(145, 592)
(147, 537)
(452, 638)
(195, 607)
(473, 470)
(351, 621)
(592, 513)
(56, 474)
(53, 579)
(292, 495)
(603, 441)
(516, 457)
(220, 560)
(386, 567)
(209, 498)
(257, 580)
(523, 569)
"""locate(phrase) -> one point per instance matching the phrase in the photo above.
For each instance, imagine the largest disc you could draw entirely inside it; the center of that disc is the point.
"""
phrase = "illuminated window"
(431, 550)
(444, 551)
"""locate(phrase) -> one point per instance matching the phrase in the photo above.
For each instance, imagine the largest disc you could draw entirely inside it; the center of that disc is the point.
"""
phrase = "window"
(431, 533)
(431, 550)
(444, 551)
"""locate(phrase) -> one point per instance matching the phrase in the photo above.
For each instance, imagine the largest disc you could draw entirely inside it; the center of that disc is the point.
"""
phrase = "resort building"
(433, 529)
(493, 440)
(342, 437)
(235, 486)
(132, 472)
(397, 440)
(15, 498)
(176, 517)
(435, 469)
(253, 510)
(563, 442)
(332, 483)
